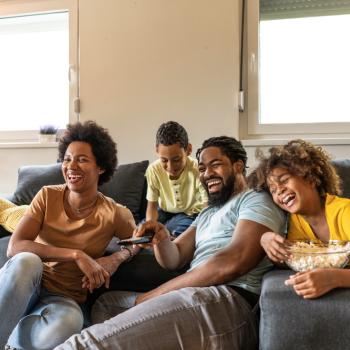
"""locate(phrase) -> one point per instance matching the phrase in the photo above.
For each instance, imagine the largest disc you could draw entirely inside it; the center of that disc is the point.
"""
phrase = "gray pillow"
(32, 178)
(127, 187)
(343, 169)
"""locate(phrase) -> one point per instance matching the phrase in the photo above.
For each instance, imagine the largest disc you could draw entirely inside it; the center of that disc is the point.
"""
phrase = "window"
(38, 49)
(298, 69)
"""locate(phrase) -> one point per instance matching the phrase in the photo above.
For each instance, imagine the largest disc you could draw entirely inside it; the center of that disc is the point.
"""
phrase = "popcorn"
(315, 255)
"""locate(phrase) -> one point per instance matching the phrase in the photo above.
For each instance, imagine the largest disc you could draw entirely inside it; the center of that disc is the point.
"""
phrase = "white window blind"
(278, 9)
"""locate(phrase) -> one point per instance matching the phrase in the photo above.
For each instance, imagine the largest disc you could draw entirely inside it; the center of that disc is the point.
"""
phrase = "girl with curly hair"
(303, 182)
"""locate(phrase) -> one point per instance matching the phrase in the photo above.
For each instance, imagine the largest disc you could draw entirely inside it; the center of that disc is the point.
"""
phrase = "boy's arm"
(152, 212)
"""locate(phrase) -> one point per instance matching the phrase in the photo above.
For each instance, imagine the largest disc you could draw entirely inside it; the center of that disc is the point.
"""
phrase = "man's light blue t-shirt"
(215, 227)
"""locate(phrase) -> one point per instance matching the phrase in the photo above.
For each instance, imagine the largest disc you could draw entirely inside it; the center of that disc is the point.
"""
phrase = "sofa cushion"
(343, 169)
(4, 241)
(289, 322)
(127, 187)
(32, 178)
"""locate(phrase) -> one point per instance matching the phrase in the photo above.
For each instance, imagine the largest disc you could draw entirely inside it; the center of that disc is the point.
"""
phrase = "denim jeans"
(35, 319)
(214, 317)
(175, 223)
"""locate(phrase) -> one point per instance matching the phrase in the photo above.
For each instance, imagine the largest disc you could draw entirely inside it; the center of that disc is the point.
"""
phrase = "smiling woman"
(57, 247)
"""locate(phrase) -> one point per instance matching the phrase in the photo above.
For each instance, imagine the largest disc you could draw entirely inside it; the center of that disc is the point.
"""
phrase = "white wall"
(145, 62)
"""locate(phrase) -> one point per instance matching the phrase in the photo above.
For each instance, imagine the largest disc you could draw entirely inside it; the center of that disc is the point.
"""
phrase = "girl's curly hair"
(300, 158)
(103, 147)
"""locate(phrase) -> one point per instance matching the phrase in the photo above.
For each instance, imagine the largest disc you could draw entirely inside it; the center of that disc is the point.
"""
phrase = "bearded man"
(209, 306)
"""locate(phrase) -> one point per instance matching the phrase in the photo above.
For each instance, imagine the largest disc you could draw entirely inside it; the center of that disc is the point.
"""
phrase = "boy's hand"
(159, 231)
(312, 284)
(274, 246)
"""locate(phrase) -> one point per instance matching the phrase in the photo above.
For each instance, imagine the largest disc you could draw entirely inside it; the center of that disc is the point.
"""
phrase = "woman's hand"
(274, 247)
(96, 275)
(314, 283)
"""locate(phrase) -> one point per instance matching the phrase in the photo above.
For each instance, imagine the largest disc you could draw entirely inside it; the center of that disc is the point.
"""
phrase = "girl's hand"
(95, 274)
(274, 246)
(314, 283)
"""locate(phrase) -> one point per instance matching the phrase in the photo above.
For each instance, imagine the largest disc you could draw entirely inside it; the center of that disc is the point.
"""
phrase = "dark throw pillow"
(343, 169)
(127, 187)
(32, 178)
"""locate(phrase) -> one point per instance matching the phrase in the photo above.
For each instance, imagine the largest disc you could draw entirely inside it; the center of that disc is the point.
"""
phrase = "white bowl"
(309, 255)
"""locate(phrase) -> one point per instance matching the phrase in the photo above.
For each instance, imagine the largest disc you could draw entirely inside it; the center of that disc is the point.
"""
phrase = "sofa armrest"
(290, 322)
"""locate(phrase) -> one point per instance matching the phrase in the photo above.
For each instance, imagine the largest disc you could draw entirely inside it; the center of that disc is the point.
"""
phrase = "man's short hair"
(229, 146)
(170, 133)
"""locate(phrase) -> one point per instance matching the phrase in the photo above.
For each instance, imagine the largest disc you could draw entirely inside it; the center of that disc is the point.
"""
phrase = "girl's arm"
(274, 246)
(314, 283)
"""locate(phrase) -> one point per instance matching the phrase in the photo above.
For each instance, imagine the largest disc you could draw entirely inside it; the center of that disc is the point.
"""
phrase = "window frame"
(254, 128)
(20, 7)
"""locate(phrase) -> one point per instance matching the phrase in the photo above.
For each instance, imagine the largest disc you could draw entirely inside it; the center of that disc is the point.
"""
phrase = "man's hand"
(159, 231)
(274, 247)
(314, 283)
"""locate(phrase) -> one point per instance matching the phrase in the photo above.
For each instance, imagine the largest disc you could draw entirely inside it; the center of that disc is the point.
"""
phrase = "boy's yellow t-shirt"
(184, 195)
(337, 216)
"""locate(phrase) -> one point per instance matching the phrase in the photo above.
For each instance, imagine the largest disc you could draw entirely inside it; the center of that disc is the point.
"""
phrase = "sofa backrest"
(343, 169)
(127, 186)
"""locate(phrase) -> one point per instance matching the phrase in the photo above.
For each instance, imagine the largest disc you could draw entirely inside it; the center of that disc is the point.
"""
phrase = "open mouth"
(74, 178)
(214, 185)
(288, 200)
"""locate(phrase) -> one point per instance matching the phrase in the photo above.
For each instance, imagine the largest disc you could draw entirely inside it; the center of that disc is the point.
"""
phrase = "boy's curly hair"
(300, 158)
(103, 147)
(170, 133)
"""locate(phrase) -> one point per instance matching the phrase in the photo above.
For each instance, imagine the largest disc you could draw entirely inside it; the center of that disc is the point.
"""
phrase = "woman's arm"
(22, 240)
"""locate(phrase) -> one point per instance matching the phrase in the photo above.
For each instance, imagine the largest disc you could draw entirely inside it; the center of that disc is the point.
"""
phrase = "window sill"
(276, 142)
(33, 144)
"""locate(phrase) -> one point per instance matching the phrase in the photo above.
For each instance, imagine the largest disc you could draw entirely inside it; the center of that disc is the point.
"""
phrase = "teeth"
(74, 177)
(213, 182)
(286, 199)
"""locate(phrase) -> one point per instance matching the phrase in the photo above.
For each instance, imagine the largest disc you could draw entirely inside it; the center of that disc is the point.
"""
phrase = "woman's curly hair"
(300, 158)
(103, 147)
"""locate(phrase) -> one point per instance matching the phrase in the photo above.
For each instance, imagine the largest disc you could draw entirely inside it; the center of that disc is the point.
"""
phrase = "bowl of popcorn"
(309, 255)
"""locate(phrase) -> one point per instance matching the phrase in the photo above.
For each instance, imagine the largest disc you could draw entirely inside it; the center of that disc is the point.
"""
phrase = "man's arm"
(242, 254)
(170, 254)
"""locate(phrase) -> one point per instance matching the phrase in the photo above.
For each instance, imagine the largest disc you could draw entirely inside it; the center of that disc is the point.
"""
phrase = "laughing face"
(217, 174)
(79, 167)
(292, 193)
(173, 158)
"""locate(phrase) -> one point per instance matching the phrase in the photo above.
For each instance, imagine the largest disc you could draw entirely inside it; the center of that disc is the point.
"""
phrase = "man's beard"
(217, 199)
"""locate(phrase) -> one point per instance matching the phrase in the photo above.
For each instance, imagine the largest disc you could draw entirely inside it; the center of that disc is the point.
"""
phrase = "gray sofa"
(127, 187)
(288, 322)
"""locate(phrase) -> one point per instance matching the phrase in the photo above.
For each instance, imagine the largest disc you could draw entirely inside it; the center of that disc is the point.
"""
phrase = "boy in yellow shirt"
(175, 195)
